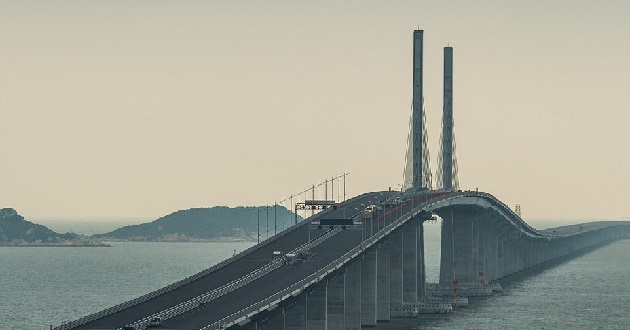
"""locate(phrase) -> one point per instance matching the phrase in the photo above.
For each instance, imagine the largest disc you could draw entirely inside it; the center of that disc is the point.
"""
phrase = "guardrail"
(218, 292)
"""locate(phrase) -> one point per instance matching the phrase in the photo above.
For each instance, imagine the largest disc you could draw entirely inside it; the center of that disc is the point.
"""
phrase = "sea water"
(48, 286)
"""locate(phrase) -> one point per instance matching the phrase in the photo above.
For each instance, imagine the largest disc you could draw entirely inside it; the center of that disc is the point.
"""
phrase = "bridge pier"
(514, 257)
(368, 288)
(460, 256)
(383, 281)
(391, 273)
(480, 243)
(295, 314)
(421, 283)
(275, 320)
(500, 255)
(396, 269)
(316, 307)
(353, 295)
(447, 275)
(410, 266)
(335, 301)
(490, 252)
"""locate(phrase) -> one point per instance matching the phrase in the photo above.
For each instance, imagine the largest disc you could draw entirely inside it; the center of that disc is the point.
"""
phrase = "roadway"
(266, 286)
(285, 276)
(263, 287)
(581, 227)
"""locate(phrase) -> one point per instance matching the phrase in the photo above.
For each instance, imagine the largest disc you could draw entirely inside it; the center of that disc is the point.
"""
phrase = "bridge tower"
(447, 161)
(421, 173)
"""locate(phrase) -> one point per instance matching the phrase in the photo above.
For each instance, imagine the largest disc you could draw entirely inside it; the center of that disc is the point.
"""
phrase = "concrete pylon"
(447, 121)
(418, 170)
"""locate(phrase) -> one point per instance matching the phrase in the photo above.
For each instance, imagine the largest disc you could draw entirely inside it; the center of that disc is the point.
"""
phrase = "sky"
(123, 109)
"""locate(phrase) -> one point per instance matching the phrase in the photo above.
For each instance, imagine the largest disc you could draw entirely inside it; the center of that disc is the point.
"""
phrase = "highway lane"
(285, 276)
(219, 277)
(267, 285)
(294, 237)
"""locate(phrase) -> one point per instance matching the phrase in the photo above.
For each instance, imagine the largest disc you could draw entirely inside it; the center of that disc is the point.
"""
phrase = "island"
(219, 223)
(15, 231)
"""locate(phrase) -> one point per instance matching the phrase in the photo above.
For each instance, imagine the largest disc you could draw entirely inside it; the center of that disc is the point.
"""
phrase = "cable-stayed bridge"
(361, 261)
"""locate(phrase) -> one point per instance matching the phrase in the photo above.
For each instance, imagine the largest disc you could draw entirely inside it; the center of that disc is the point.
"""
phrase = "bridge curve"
(483, 240)
(378, 268)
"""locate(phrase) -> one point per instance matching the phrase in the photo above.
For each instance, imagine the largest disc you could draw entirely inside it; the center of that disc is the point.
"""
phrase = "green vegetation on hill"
(206, 223)
(14, 230)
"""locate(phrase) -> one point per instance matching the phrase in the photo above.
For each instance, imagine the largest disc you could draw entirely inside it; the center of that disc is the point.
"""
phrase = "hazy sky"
(140, 108)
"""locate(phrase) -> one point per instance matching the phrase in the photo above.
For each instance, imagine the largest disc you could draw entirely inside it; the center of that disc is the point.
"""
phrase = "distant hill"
(206, 223)
(14, 230)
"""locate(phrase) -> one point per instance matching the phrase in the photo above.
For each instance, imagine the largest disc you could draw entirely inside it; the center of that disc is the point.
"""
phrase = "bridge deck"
(289, 240)
(267, 285)
(573, 229)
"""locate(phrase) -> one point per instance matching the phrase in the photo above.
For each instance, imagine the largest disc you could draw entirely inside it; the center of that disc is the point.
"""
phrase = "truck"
(293, 259)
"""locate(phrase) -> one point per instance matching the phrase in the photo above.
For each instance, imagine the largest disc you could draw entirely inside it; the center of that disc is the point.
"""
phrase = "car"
(155, 322)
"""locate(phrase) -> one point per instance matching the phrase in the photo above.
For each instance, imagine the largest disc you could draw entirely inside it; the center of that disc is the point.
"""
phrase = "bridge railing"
(511, 216)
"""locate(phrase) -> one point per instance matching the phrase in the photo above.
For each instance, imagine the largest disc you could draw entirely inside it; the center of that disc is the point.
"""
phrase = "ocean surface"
(48, 286)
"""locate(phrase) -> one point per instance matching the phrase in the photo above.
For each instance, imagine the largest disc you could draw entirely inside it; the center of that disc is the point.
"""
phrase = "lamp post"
(267, 209)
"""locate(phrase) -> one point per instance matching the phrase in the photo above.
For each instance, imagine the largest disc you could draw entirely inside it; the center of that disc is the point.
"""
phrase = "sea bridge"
(361, 261)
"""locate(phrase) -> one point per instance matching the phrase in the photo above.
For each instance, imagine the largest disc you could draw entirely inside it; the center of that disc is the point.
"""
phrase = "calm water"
(42, 286)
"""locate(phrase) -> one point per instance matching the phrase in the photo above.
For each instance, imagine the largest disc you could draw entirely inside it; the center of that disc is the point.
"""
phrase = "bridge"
(361, 261)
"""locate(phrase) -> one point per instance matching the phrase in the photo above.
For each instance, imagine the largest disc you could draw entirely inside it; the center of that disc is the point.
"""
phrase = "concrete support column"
(447, 249)
(509, 253)
(410, 268)
(274, 322)
(368, 288)
(396, 269)
(540, 254)
(464, 261)
(295, 314)
(383, 261)
(522, 250)
(505, 257)
(335, 301)
(480, 233)
(316, 307)
(490, 252)
(422, 276)
(518, 256)
(529, 257)
(353, 295)
(513, 256)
